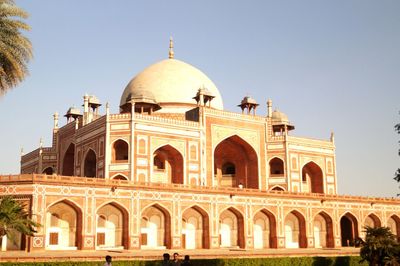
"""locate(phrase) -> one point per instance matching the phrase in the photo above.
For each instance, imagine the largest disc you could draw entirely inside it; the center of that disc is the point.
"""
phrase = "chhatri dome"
(172, 84)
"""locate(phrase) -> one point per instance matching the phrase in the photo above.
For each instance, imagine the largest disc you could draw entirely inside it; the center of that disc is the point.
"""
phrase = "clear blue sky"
(329, 65)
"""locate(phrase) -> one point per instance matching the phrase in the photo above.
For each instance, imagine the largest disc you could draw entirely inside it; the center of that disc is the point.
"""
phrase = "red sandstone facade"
(154, 176)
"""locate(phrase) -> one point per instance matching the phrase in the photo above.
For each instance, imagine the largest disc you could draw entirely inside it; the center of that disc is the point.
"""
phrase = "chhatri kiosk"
(173, 170)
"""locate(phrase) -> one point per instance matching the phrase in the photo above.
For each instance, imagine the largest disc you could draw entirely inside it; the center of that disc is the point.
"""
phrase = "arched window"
(276, 166)
(120, 151)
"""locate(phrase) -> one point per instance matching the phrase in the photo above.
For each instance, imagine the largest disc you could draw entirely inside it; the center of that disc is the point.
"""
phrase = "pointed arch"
(205, 225)
(239, 155)
(348, 229)
(78, 220)
(271, 232)
(120, 151)
(68, 164)
(125, 221)
(372, 221)
(277, 188)
(48, 170)
(166, 222)
(168, 165)
(313, 175)
(90, 164)
(394, 225)
(119, 177)
(276, 167)
(327, 230)
(234, 228)
(295, 230)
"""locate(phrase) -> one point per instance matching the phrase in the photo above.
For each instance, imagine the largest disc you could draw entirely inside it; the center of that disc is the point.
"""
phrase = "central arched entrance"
(312, 176)
(348, 229)
(167, 165)
(235, 163)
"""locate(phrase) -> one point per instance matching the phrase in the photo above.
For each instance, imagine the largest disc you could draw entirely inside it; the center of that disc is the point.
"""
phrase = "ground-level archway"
(195, 228)
(112, 227)
(295, 230)
(372, 221)
(63, 226)
(394, 224)
(312, 175)
(323, 231)
(236, 163)
(167, 165)
(264, 230)
(348, 229)
(231, 228)
(155, 228)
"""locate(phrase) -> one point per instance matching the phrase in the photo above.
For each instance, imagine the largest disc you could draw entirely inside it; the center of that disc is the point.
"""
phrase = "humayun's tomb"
(174, 170)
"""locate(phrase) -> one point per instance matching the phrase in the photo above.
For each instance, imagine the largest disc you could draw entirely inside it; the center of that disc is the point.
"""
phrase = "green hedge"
(295, 261)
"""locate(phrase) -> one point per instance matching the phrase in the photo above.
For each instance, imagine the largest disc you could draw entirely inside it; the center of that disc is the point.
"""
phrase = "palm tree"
(380, 246)
(15, 219)
(15, 49)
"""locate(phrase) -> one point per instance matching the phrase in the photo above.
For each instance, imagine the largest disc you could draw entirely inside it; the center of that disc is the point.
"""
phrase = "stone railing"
(124, 184)
(248, 117)
(120, 116)
(168, 121)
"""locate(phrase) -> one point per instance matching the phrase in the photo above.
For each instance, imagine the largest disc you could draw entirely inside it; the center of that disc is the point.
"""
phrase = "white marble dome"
(173, 84)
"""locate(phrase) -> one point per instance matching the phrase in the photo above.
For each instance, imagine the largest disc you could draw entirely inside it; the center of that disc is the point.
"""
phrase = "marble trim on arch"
(220, 133)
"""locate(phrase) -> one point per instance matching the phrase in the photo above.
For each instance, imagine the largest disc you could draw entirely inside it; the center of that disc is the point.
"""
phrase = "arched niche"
(69, 161)
(231, 228)
(323, 231)
(295, 230)
(120, 151)
(276, 167)
(112, 227)
(90, 164)
(63, 226)
(313, 176)
(155, 228)
(195, 228)
(264, 230)
(167, 165)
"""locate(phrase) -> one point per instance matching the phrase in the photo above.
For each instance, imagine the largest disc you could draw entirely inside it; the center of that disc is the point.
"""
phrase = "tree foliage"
(15, 49)
(380, 247)
(14, 218)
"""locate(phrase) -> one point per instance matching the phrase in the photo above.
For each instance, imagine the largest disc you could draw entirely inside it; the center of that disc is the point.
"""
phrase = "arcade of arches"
(64, 228)
(236, 163)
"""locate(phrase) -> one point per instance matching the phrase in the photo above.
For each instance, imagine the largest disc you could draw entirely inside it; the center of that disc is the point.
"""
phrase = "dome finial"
(171, 48)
